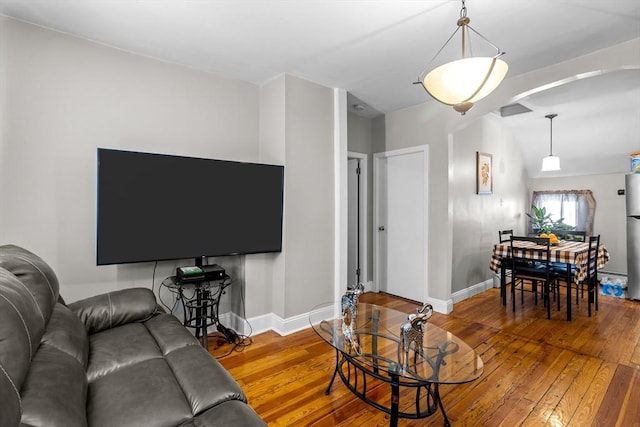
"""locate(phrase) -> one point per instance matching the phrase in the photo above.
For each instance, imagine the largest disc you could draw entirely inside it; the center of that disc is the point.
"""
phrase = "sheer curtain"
(577, 207)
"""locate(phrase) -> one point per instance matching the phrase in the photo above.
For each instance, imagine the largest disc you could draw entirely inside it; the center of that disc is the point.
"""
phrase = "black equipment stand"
(201, 308)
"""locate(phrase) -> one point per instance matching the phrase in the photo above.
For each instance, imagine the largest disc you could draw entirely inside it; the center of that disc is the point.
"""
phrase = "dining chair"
(505, 269)
(591, 279)
(504, 235)
(572, 235)
(530, 261)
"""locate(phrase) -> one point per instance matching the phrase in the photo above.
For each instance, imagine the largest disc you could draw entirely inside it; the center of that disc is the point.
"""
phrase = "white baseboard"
(368, 286)
(266, 322)
(253, 326)
(441, 306)
(272, 321)
(471, 291)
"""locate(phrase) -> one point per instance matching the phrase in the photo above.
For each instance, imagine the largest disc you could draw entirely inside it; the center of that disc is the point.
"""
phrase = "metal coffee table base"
(356, 379)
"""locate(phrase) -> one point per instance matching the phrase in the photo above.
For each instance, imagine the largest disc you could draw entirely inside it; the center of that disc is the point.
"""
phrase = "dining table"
(574, 254)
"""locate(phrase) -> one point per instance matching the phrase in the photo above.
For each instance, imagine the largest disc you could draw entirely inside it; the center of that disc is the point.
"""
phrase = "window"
(576, 207)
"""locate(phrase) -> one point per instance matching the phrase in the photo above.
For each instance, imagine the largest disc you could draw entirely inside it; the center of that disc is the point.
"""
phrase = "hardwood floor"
(536, 371)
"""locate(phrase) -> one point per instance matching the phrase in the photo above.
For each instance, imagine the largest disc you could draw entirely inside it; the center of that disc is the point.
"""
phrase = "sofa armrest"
(115, 308)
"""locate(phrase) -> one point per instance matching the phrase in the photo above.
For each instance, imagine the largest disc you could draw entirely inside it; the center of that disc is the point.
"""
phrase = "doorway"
(357, 219)
(400, 223)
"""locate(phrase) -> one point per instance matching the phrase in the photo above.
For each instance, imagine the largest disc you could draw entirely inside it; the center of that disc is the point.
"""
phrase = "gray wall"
(477, 218)
(417, 126)
(438, 126)
(309, 202)
(610, 219)
(63, 97)
(462, 225)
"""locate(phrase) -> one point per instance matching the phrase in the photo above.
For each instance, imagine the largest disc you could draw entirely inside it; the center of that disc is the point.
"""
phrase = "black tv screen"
(153, 207)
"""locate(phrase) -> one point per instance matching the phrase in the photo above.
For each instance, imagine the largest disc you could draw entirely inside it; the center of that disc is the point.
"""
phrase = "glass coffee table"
(369, 353)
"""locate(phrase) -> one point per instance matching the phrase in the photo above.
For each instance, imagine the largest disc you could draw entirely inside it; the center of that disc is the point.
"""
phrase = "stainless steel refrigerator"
(632, 191)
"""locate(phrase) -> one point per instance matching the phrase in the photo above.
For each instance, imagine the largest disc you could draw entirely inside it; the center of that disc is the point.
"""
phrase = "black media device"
(153, 207)
(213, 272)
(203, 273)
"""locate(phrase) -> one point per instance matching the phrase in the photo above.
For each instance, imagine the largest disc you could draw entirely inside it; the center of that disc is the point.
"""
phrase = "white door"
(401, 222)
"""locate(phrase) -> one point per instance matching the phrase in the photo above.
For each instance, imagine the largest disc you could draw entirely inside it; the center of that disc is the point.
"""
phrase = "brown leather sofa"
(110, 360)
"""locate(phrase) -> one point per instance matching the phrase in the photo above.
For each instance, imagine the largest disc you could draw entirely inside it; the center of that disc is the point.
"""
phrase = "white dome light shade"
(465, 81)
(550, 164)
(462, 82)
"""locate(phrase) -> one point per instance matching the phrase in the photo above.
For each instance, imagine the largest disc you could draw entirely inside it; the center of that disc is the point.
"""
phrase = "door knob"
(381, 228)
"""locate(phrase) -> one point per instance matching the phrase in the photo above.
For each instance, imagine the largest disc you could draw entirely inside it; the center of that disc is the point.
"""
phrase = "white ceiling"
(375, 49)
(597, 126)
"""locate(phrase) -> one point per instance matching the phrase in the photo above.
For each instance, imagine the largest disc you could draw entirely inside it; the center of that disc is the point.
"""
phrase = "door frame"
(377, 159)
(363, 210)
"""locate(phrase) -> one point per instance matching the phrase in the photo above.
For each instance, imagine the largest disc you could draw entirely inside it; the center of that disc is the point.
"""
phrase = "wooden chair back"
(530, 257)
(592, 261)
(504, 235)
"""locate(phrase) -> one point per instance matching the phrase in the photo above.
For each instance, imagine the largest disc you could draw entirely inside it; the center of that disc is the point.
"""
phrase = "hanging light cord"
(463, 22)
(551, 136)
(551, 117)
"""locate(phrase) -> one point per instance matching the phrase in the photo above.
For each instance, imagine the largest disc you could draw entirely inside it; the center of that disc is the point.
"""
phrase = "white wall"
(610, 218)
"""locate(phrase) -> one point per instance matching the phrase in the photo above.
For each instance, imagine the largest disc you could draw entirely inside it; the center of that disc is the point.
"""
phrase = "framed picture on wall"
(484, 173)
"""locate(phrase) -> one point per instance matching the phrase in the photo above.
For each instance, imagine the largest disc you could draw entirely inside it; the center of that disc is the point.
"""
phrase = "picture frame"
(484, 173)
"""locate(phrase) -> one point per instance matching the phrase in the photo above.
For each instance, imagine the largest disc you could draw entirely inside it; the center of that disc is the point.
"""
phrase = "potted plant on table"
(541, 221)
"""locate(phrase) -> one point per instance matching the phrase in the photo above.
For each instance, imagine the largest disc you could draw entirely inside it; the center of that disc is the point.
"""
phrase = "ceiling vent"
(513, 109)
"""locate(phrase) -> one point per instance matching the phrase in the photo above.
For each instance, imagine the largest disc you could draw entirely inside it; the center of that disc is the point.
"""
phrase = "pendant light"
(551, 162)
(462, 82)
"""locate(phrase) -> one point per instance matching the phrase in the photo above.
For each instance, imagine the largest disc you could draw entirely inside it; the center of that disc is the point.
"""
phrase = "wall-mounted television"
(154, 207)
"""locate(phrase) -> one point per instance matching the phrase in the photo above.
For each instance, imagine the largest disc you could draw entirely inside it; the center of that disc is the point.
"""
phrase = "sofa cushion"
(109, 310)
(118, 348)
(203, 379)
(35, 274)
(227, 414)
(55, 391)
(66, 333)
(10, 398)
(21, 327)
(142, 394)
(169, 333)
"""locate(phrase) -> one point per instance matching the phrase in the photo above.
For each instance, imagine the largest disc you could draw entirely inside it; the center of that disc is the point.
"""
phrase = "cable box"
(213, 272)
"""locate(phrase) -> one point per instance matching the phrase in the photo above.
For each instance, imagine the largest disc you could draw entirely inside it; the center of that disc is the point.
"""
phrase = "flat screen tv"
(153, 207)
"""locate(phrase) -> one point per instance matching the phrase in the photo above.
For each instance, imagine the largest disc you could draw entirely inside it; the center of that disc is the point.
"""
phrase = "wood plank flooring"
(536, 371)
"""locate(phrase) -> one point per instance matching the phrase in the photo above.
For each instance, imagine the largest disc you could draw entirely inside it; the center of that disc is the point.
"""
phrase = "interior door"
(401, 222)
